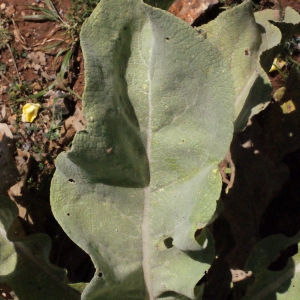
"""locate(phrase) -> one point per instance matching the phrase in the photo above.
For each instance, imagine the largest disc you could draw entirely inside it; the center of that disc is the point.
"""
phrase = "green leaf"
(288, 29)
(291, 16)
(239, 38)
(143, 178)
(269, 284)
(24, 262)
(65, 63)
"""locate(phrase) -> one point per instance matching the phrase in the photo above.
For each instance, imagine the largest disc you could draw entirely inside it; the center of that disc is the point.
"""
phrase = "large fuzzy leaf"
(241, 41)
(143, 178)
(24, 261)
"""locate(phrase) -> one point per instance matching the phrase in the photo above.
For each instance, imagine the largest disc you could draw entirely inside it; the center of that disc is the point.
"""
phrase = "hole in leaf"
(72, 180)
(68, 214)
(168, 242)
(246, 52)
(100, 275)
(167, 39)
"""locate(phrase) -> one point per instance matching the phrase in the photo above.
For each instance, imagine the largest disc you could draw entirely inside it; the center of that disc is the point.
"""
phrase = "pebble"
(2, 6)
(36, 86)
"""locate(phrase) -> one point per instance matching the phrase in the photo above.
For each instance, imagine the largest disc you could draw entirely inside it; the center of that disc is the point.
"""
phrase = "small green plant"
(5, 38)
(81, 9)
(19, 90)
(53, 133)
(5, 35)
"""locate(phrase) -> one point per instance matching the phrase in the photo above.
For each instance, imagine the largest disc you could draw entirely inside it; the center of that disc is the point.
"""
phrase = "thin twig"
(293, 61)
(4, 77)
(223, 166)
(14, 62)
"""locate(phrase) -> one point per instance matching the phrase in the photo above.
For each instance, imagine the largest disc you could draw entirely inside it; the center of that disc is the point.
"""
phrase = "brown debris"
(55, 99)
(190, 10)
(16, 191)
(223, 165)
(239, 275)
(72, 125)
(19, 38)
(3, 89)
(10, 10)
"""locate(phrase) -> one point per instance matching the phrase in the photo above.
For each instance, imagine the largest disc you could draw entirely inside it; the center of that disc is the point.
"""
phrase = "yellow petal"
(278, 63)
(279, 94)
(288, 107)
(30, 111)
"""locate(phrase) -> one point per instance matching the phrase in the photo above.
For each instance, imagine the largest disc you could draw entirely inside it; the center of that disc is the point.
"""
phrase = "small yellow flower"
(30, 111)
(279, 94)
(288, 107)
(278, 63)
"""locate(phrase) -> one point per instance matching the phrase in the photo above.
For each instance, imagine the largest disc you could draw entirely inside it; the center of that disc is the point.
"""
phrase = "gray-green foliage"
(143, 177)
(241, 41)
(268, 284)
(24, 261)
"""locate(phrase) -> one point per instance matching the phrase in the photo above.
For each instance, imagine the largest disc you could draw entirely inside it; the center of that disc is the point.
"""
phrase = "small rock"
(2, 6)
(36, 86)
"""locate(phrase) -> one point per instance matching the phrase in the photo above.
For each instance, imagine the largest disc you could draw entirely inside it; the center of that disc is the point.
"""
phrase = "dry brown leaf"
(47, 76)
(19, 38)
(239, 275)
(38, 59)
(72, 125)
(15, 193)
(3, 112)
(10, 10)
(59, 104)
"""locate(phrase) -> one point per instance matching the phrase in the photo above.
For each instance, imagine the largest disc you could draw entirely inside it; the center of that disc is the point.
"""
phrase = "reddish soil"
(33, 37)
